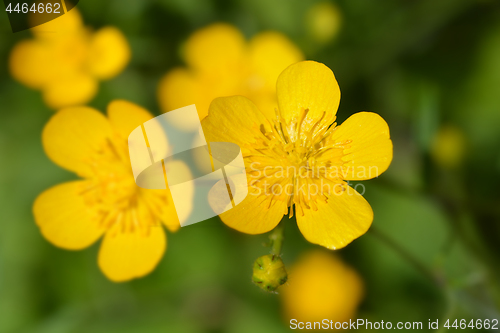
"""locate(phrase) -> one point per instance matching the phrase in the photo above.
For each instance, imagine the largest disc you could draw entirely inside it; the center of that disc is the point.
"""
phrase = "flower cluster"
(66, 60)
(285, 126)
(221, 63)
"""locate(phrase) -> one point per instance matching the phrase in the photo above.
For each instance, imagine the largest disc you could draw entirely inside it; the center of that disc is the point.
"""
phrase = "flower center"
(296, 161)
(112, 192)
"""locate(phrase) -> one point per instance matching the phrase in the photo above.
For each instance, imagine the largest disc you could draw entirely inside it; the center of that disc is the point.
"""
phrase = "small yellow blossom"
(323, 21)
(297, 157)
(66, 60)
(221, 63)
(321, 286)
(448, 147)
(106, 202)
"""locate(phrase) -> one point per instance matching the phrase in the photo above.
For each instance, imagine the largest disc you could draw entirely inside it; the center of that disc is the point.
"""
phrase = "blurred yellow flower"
(448, 147)
(320, 286)
(221, 63)
(66, 60)
(296, 156)
(323, 21)
(106, 202)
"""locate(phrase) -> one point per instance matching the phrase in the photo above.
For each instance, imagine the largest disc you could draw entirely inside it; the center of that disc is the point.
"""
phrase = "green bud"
(269, 272)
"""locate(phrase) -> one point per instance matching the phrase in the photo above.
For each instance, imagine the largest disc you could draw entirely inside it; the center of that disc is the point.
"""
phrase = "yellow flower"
(296, 156)
(320, 286)
(448, 147)
(106, 202)
(66, 60)
(221, 63)
(323, 21)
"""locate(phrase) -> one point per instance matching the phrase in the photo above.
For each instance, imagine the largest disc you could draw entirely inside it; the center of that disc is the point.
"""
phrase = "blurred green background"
(434, 249)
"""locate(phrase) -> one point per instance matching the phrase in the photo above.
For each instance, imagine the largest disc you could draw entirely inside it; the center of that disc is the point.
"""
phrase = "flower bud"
(448, 147)
(323, 21)
(269, 272)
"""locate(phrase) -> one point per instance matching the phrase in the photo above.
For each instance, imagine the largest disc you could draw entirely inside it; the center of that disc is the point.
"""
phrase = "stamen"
(303, 144)
(112, 192)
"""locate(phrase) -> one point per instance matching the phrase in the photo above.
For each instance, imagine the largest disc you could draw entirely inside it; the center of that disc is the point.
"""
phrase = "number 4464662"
(35, 8)
(477, 324)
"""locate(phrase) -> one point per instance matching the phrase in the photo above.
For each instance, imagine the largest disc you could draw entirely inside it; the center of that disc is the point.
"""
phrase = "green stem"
(452, 306)
(277, 238)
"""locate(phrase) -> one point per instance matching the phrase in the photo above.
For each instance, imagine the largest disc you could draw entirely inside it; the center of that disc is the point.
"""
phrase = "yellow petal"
(162, 203)
(63, 217)
(233, 119)
(336, 223)
(69, 54)
(109, 53)
(65, 25)
(311, 86)
(127, 255)
(369, 149)
(179, 88)
(173, 216)
(31, 64)
(125, 116)
(270, 54)
(176, 89)
(77, 89)
(218, 47)
(254, 215)
(73, 135)
(199, 156)
(170, 218)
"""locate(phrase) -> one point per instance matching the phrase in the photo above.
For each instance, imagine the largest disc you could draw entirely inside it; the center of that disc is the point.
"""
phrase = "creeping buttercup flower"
(106, 202)
(323, 21)
(321, 286)
(220, 62)
(296, 157)
(65, 60)
(448, 147)
(269, 272)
